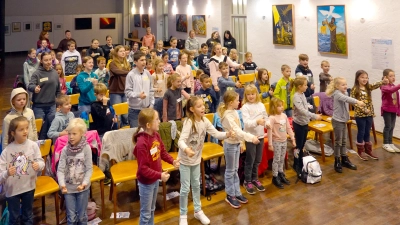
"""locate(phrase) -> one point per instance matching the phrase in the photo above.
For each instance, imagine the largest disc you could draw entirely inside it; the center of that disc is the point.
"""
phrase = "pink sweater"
(388, 103)
(280, 127)
(184, 71)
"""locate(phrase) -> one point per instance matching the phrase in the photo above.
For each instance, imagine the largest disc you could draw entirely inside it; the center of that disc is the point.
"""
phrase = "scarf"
(31, 61)
(78, 147)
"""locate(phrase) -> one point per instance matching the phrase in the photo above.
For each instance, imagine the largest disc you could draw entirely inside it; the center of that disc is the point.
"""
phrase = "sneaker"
(202, 217)
(232, 201)
(107, 181)
(242, 199)
(183, 220)
(394, 148)
(249, 187)
(388, 148)
(258, 185)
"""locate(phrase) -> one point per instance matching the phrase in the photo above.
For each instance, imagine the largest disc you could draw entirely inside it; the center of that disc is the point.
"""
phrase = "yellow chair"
(233, 78)
(121, 109)
(90, 118)
(69, 78)
(194, 72)
(46, 185)
(266, 105)
(39, 123)
(108, 94)
(74, 99)
(168, 168)
(247, 78)
(121, 172)
(98, 175)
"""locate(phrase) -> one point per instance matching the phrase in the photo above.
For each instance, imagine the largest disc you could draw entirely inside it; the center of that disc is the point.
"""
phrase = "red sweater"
(149, 165)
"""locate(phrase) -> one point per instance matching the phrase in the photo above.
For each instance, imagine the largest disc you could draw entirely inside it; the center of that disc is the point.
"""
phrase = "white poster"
(382, 54)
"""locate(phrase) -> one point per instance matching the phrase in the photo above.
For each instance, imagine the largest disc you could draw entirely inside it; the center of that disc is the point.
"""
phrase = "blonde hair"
(171, 79)
(229, 96)
(324, 62)
(298, 81)
(333, 85)
(61, 100)
(190, 115)
(120, 63)
(284, 67)
(146, 115)
(247, 54)
(214, 47)
(100, 88)
(273, 105)
(231, 54)
(77, 123)
(251, 89)
(157, 61)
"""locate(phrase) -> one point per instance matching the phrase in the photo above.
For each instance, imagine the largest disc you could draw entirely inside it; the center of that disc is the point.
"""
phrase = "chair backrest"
(316, 101)
(247, 78)
(108, 94)
(45, 147)
(194, 72)
(90, 118)
(74, 99)
(69, 78)
(210, 117)
(121, 108)
(39, 123)
(135, 34)
(266, 105)
(233, 78)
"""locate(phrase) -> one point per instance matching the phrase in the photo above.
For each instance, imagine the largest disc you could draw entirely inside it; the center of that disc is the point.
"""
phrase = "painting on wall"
(145, 20)
(47, 26)
(58, 26)
(27, 26)
(136, 20)
(181, 22)
(37, 26)
(199, 24)
(332, 32)
(107, 23)
(283, 24)
(7, 29)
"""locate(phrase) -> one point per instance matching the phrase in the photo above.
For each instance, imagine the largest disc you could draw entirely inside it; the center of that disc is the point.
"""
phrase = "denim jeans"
(190, 176)
(253, 160)
(364, 125)
(41, 112)
(340, 131)
(158, 106)
(232, 182)
(288, 112)
(26, 200)
(119, 98)
(390, 122)
(148, 198)
(76, 206)
(84, 108)
(133, 115)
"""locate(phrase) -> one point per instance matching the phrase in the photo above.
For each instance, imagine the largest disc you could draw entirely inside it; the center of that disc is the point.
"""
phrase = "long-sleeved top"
(22, 157)
(250, 67)
(136, 83)
(364, 96)
(326, 103)
(75, 168)
(63, 45)
(49, 87)
(390, 99)
(280, 128)
(107, 50)
(301, 115)
(173, 54)
(97, 52)
(102, 117)
(202, 61)
(195, 139)
(168, 69)
(324, 80)
(210, 99)
(63, 86)
(281, 92)
(230, 121)
(230, 44)
(59, 123)
(42, 50)
(251, 112)
(39, 43)
(117, 78)
(29, 68)
(160, 82)
(172, 105)
(192, 44)
(224, 84)
(214, 67)
(211, 42)
(184, 71)
(148, 41)
(263, 89)
(69, 61)
(306, 71)
(86, 87)
(149, 151)
(341, 106)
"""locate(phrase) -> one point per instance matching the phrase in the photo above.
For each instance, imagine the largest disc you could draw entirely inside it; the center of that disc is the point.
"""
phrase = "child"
(20, 163)
(153, 54)
(148, 39)
(225, 82)
(190, 61)
(70, 59)
(197, 82)
(186, 73)
(249, 65)
(324, 77)
(224, 51)
(79, 69)
(173, 53)
(102, 73)
(338, 90)
(95, 52)
(129, 54)
(43, 47)
(149, 150)
(364, 116)
(54, 60)
(83, 53)
(145, 51)
(61, 120)
(135, 48)
(254, 118)
(61, 78)
(194, 130)
(203, 59)
(167, 67)
(233, 55)
(74, 171)
(232, 147)
(173, 97)
(208, 94)
(263, 86)
(277, 140)
(103, 118)
(149, 65)
(301, 118)
(18, 100)
(138, 89)
(303, 70)
(284, 91)
(389, 109)
(160, 50)
(31, 64)
(160, 79)
(59, 56)
(86, 81)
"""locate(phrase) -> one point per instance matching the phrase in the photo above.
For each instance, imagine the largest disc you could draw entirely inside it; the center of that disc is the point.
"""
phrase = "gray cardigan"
(301, 115)
(341, 106)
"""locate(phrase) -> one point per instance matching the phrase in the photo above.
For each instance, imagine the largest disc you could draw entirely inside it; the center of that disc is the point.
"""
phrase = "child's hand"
(360, 103)
(385, 80)
(115, 119)
(105, 100)
(37, 89)
(261, 121)
(238, 84)
(233, 69)
(95, 81)
(165, 176)
(271, 148)
(187, 76)
(330, 78)
(62, 133)
(294, 143)
(189, 152)
(35, 166)
(216, 88)
(318, 117)
(81, 187)
(241, 67)
(93, 55)
(271, 93)
(255, 140)
(177, 163)
(312, 86)
(12, 170)
(231, 133)
(142, 95)
(64, 190)
(268, 124)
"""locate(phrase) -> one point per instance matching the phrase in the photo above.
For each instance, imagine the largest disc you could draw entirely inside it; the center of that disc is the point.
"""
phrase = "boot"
(368, 150)
(277, 182)
(346, 163)
(337, 165)
(283, 179)
(360, 151)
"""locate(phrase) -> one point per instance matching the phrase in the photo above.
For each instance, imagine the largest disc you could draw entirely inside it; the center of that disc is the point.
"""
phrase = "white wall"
(379, 17)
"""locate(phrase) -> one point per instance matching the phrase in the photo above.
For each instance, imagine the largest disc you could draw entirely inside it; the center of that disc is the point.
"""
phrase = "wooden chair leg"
(164, 187)
(333, 139)
(102, 198)
(115, 202)
(110, 197)
(321, 144)
(137, 188)
(374, 132)
(62, 202)
(350, 135)
(57, 206)
(219, 163)
(203, 177)
(44, 206)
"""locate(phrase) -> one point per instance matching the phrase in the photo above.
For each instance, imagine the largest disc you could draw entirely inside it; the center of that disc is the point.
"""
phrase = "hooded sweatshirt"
(21, 156)
(149, 151)
(59, 123)
(86, 87)
(30, 66)
(136, 83)
(49, 87)
(192, 44)
(27, 112)
(390, 99)
(230, 121)
(69, 61)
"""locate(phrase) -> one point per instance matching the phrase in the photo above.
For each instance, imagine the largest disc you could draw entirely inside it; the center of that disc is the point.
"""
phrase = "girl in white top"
(185, 71)
(191, 141)
(254, 118)
(160, 79)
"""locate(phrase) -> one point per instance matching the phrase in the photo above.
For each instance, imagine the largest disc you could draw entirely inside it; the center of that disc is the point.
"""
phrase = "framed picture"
(107, 23)
(16, 27)
(47, 26)
(27, 26)
(332, 31)
(181, 23)
(37, 26)
(136, 20)
(199, 24)
(283, 24)
(145, 20)
(7, 29)
(58, 26)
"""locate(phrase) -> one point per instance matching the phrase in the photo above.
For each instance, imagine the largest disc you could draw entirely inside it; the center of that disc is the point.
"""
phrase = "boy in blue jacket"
(208, 94)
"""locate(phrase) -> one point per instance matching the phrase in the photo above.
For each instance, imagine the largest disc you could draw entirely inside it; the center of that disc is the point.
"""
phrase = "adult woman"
(213, 40)
(192, 44)
(108, 47)
(149, 39)
(119, 68)
(44, 35)
(229, 41)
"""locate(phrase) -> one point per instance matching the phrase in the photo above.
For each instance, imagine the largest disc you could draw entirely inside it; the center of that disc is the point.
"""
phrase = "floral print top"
(368, 109)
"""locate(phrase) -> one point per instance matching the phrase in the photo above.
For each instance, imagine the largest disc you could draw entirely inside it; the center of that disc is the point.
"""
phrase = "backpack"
(212, 186)
(19, 82)
(311, 172)
(5, 217)
(74, 86)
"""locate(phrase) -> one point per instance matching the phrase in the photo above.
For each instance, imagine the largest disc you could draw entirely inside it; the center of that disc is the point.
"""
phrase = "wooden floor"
(370, 195)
